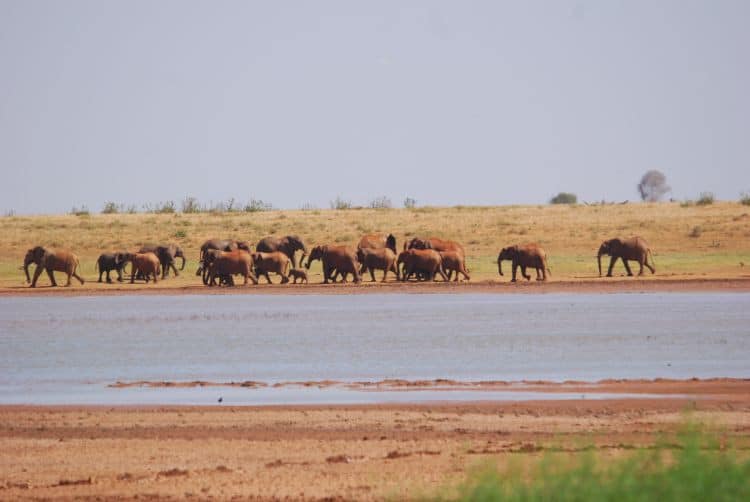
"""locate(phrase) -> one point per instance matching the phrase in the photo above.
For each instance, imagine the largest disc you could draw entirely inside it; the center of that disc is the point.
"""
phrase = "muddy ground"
(338, 452)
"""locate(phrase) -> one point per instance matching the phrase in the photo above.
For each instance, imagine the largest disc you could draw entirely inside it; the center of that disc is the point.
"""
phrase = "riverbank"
(598, 285)
(337, 452)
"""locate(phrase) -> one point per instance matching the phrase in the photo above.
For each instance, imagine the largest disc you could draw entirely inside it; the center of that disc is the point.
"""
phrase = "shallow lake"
(68, 350)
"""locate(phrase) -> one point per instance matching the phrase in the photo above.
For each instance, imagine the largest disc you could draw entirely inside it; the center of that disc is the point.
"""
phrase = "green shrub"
(381, 203)
(695, 469)
(110, 208)
(745, 198)
(705, 199)
(564, 198)
(191, 205)
(340, 203)
(80, 211)
(257, 205)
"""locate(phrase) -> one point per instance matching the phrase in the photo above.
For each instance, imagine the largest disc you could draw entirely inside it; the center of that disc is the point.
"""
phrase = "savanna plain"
(628, 445)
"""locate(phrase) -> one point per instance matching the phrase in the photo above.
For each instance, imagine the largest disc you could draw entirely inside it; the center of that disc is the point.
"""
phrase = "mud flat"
(342, 452)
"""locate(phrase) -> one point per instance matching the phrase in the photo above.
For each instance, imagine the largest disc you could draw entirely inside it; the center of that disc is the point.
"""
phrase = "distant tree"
(653, 186)
(564, 198)
(110, 208)
(410, 203)
(190, 205)
(381, 203)
(341, 203)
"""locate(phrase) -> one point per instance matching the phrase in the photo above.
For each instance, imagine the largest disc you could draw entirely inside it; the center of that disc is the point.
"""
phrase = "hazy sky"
(297, 102)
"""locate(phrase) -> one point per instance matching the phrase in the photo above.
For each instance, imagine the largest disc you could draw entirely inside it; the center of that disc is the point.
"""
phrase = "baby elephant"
(108, 262)
(298, 273)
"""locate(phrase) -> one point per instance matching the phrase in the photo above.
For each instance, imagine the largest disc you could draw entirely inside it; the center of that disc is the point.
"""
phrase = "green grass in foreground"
(695, 469)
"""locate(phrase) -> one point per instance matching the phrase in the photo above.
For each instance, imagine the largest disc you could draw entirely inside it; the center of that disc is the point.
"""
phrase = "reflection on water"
(72, 347)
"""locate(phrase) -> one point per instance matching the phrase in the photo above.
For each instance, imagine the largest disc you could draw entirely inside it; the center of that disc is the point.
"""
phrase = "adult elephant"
(288, 245)
(523, 256)
(217, 245)
(335, 259)
(107, 262)
(50, 260)
(423, 262)
(167, 254)
(378, 241)
(276, 262)
(225, 264)
(144, 266)
(631, 249)
(377, 259)
(439, 245)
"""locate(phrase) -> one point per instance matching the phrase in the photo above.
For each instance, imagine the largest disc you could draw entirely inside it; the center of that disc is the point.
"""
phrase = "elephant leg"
(650, 267)
(176, 273)
(439, 270)
(100, 274)
(51, 275)
(372, 274)
(109, 280)
(627, 267)
(524, 274)
(268, 277)
(640, 267)
(133, 271)
(156, 275)
(612, 261)
(37, 273)
(119, 275)
(514, 267)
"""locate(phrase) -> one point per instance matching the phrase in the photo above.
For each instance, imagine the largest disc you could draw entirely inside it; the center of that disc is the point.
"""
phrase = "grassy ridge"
(687, 241)
(695, 469)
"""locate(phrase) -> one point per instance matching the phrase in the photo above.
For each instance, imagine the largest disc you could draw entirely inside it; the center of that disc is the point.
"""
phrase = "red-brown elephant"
(422, 262)
(525, 255)
(335, 259)
(52, 261)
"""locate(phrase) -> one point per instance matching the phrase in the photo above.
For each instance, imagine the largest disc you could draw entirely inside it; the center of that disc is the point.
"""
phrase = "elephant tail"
(96, 266)
(651, 254)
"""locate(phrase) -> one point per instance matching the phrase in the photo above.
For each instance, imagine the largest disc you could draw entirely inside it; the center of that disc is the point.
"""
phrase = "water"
(67, 350)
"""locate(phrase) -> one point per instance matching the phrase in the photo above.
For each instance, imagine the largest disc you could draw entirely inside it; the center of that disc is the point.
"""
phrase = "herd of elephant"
(220, 260)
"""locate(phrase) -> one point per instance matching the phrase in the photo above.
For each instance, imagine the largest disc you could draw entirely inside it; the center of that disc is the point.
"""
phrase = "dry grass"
(571, 234)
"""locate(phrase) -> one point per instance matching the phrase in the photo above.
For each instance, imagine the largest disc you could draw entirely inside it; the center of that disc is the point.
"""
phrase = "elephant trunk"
(599, 261)
(26, 270)
(500, 267)
(183, 262)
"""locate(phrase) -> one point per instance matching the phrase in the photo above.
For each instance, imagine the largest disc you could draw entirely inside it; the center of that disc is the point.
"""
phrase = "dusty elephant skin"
(631, 249)
(370, 452)
(51, 261)
(525, 256)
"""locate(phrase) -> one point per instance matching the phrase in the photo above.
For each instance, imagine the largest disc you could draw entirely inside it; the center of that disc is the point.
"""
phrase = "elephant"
(111, 261)
(423, 262)
(298, 273)
(439, 245)
(634, 248)
(145, 265)
(526, 255)
(276, 262)
(225, 264)
(51, 261)
(378, 241)
(166, 254)
(287, 245)
(453, 261)
(377, 259)
(217, 245)
(335, 259)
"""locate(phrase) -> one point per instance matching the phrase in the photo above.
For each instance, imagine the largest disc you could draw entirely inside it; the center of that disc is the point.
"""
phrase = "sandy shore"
(335, 452)
(589, 285)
